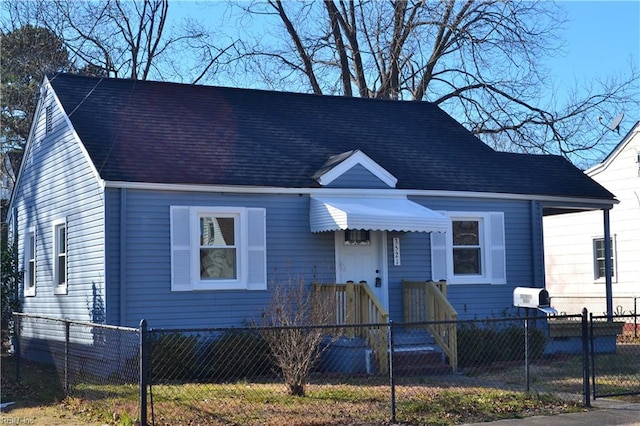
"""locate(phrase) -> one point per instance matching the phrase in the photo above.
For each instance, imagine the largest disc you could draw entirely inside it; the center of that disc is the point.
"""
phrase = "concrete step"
(414, 360)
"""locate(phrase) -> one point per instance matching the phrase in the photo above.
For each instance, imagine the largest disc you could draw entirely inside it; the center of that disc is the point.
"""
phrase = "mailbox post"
(531, 298)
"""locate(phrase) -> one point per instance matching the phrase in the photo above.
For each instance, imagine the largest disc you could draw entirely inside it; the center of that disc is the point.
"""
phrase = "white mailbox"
(536, 298)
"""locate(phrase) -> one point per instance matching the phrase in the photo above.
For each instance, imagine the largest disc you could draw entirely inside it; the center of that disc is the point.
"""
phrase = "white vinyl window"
(472, 251)
(60, 256)
(466, 247)
(30, 263)
(218, 248)
(219, 236)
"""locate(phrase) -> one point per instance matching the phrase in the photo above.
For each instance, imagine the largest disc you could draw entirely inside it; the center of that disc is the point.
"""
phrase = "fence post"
(526, 350)
(67, 326)
(586, 389)
(392, 383)
(143, 372)
(635, 317)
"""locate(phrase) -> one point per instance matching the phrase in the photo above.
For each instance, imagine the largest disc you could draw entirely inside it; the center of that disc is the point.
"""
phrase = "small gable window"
(48, 119)
(218, 248)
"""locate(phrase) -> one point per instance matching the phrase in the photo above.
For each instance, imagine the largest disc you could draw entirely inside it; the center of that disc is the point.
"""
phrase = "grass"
(486, 395)
(39, 383)
(352, 401)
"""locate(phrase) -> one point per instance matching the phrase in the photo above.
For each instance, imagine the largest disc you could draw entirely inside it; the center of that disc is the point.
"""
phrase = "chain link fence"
(573, 304)
(231, 376)
(361, 374)
(615, 365)
(94, 362)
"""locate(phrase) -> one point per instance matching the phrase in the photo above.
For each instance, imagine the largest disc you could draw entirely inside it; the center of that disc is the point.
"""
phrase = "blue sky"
(601, 36)
(602, 39)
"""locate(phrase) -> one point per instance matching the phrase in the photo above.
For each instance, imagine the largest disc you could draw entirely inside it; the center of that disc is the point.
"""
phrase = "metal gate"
(615, 355)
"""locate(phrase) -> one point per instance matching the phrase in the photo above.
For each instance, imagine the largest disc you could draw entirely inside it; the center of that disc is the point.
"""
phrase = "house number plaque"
(396, 251)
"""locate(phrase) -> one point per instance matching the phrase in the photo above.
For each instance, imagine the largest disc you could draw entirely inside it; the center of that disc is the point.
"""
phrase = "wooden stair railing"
(355, 303)
(426, 302)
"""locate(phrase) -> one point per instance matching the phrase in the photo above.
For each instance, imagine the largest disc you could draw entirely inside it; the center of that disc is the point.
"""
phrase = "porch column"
(607, 264)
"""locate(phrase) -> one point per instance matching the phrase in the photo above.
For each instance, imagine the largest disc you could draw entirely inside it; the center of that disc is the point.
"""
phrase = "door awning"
(375, 214)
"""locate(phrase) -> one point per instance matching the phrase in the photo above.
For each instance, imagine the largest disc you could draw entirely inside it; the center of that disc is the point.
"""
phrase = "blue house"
(185, 204)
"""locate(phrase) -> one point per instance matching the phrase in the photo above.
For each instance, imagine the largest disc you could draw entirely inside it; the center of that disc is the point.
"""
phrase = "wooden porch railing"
(355, 303)
(426, 301)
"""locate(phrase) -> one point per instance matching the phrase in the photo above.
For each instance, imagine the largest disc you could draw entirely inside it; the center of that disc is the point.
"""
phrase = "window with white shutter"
(218, 248)
(472, 251)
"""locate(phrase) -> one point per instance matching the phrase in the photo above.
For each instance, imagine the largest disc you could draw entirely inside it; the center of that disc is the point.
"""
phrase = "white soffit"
(373, 213)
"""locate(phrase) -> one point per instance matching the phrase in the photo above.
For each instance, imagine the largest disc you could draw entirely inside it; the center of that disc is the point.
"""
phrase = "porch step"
(414, 360)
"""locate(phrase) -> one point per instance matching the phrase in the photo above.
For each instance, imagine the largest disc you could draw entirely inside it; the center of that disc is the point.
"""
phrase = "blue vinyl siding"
(358, 177)
(58, 182)
(293, 254)
(485, 300)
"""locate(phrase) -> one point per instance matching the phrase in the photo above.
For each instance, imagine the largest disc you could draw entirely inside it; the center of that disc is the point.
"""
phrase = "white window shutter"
(180, 249)
(438, 256)
(257, 249)
(497, 248)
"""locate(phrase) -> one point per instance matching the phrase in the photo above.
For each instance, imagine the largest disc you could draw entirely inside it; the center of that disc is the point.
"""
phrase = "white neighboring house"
(574, 243)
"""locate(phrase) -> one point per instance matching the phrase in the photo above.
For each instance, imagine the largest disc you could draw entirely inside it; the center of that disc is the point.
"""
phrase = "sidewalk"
(605, 412)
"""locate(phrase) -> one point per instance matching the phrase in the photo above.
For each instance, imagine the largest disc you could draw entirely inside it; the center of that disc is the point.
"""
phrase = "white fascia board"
(634, 132)
(365, 161)
(357, 192)
(46, 86)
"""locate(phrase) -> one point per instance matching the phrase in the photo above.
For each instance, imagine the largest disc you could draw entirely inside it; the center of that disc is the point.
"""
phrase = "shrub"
(483, 345)
(172, 356)
(10, 283)
(238, 355)
(296, 345)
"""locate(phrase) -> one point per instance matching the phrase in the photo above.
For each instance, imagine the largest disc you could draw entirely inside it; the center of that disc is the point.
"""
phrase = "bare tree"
(481, 61)
(126, 38)
(296, 311)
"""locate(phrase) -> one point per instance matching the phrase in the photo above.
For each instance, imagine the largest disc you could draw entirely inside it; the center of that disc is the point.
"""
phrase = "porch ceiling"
(373, 213)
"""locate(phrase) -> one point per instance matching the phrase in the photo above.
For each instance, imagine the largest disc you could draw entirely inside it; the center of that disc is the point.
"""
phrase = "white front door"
(363, 262)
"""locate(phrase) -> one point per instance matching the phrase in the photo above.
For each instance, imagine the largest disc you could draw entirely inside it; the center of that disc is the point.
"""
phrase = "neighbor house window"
(60, 257)
(472, 251)
(218, 248)
(30, 263)
(599, 258)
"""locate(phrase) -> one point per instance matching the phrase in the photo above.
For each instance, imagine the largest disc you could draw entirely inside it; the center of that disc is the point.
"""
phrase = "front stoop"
(416, 353)
(417, 361)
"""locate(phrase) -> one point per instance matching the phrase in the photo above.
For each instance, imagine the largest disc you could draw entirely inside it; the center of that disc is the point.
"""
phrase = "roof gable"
(338, 165)
(168, 133)
(633, 136)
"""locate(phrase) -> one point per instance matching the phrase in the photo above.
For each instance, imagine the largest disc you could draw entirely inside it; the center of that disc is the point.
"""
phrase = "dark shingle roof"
(142, 131)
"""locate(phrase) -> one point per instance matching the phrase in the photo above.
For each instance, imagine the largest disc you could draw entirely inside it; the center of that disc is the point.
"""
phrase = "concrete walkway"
(605, 412)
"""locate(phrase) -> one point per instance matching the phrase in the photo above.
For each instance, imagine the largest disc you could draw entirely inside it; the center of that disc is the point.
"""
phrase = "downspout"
(123, 257)
(537, 246)
(607, 264)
